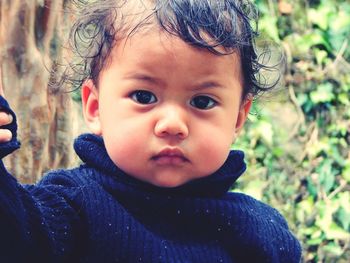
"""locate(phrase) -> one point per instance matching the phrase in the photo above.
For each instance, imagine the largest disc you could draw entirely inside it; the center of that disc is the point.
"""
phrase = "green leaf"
(341, 22)
(334, 232)
(319, 17)
(333, 249)
(320, 55)
(315, 38)
(344, 98)
(307, 231)
(278, 151)
(314, 241)
(344, 201)
(268, 25)
(324, 93)
(302, 98)
(311, 187)
(344, 218)
(305, 208)
(346, 172)
(346, 86)
(326, 175)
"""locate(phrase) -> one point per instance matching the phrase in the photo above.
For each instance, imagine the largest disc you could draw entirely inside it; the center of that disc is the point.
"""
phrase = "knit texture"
(14, 144)
(97, 213)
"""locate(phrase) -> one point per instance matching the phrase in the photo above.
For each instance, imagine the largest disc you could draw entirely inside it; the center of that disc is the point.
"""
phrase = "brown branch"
(312, 136)
(338, 58)
(301, 117)
(342, 185)
(53, 10)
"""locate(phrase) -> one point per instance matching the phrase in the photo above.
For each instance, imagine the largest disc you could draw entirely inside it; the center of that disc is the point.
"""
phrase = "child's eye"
(203, 102)
(143, 97)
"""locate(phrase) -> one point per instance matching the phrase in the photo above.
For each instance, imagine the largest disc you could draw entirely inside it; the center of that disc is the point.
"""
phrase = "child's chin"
(169, 182)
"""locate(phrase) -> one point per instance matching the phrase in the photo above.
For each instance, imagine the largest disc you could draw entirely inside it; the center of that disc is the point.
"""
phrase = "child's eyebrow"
(144, 78)
(208, 85)
(160, 82)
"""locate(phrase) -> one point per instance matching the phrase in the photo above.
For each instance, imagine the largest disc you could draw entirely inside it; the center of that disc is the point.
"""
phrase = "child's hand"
(5, 134)
(5, 118)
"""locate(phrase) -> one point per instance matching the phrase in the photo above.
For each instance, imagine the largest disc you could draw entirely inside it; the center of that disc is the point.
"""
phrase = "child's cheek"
(125, 146)
(212, 150)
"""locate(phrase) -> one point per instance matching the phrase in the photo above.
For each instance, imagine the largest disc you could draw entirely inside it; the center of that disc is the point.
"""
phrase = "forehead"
(138, 29)
(155, 52)
(155, 40)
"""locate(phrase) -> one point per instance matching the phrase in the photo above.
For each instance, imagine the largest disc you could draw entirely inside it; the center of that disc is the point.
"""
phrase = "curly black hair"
(220, 26)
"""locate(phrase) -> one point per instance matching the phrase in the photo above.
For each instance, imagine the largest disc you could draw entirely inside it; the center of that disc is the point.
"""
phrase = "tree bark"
(30, 35)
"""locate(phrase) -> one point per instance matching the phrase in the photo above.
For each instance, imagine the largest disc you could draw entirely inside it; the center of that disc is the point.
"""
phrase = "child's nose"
(172, 122)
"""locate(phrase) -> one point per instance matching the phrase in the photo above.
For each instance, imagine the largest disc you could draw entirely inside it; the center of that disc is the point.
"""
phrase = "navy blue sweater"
(97, 213)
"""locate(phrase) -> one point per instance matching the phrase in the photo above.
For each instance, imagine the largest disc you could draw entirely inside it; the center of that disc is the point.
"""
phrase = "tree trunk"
(30, 39)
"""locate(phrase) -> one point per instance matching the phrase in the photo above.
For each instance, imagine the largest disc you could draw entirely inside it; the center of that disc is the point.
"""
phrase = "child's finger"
(5, 118)
(5, 135)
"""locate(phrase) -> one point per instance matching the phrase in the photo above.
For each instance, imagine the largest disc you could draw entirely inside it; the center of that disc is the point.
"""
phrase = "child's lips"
(170, 156)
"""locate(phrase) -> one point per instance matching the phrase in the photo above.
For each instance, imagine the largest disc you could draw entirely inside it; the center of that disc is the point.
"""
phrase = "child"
(167, 86)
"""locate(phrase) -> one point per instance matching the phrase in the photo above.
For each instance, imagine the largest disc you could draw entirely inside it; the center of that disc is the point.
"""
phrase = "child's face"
(168, 112)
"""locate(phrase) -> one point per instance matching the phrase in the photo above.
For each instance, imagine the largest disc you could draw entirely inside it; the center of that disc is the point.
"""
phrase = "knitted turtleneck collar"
(91, 150)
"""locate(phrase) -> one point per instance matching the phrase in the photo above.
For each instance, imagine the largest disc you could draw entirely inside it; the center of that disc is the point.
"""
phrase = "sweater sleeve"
(8, 147)
(264, 230)
(36, 223)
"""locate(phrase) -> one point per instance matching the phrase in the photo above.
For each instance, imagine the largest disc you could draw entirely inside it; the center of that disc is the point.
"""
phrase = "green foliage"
(298, 146)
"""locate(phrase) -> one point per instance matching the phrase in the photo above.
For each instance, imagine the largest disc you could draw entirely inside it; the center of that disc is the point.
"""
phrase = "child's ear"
(243, 114)
(90, 103)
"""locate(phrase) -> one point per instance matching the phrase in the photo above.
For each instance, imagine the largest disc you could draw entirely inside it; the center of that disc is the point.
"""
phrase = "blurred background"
(297, 139)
